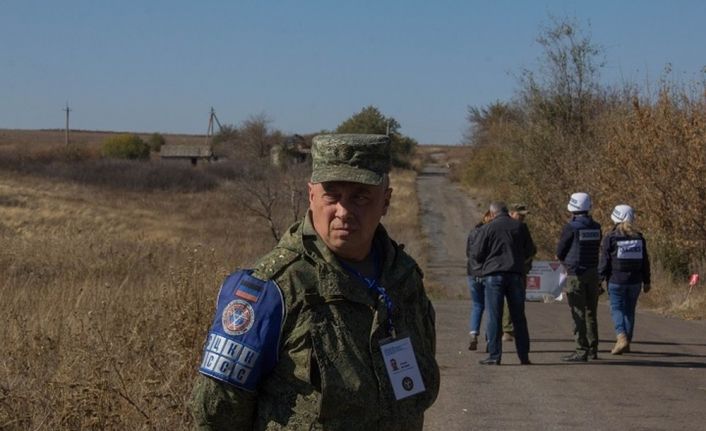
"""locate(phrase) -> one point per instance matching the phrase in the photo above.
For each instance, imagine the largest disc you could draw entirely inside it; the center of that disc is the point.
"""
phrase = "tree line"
(563, 131)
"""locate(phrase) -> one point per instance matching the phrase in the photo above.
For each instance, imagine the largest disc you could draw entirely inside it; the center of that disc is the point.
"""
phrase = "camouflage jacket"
(330, 374)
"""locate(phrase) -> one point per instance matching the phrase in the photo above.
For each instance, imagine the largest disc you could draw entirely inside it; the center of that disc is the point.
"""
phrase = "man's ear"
(310, 190)
(388, 197)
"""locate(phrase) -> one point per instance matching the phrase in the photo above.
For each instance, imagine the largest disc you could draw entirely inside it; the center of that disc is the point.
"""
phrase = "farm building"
(192, 153)
(294, 149)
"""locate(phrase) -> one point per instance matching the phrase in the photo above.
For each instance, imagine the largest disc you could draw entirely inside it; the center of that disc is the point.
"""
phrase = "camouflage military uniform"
(331, 374)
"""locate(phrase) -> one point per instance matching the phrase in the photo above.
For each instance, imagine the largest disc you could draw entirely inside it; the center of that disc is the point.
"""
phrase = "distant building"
(294, 149)
(192, 153)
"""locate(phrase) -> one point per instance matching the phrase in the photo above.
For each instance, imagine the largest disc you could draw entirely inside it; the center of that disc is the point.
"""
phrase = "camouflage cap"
(350, 157)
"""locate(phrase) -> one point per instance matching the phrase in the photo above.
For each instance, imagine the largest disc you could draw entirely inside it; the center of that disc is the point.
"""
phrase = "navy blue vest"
(585, 246)
(628, 253)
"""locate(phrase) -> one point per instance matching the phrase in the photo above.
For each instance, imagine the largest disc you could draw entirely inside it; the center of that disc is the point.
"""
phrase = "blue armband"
(243, 342)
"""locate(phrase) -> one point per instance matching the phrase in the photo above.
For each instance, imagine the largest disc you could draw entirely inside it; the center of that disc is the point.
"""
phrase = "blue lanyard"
(375, 286)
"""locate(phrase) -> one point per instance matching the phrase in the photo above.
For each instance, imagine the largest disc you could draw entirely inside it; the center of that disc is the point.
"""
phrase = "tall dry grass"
(402, 221)
(106, 296)
(107, 293)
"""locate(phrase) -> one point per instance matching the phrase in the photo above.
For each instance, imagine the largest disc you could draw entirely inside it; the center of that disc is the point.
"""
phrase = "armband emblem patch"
(238, 317)
(241, 349)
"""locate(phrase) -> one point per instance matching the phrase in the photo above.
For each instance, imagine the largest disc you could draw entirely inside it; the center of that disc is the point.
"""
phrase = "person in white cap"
(625, 266)
(578, 250)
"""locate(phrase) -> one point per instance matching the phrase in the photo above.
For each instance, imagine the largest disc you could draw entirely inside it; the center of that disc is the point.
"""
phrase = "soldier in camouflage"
(332, 330)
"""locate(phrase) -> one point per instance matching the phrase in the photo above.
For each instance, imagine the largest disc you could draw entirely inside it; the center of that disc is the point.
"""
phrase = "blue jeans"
(475, 284)
(623, 301)
(506, 286)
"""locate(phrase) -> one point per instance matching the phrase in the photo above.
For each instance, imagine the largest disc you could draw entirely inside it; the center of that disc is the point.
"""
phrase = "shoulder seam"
(272, 264)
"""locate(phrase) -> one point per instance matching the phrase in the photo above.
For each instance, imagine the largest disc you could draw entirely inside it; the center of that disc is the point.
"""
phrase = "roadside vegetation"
(110, 270)
(564, 132)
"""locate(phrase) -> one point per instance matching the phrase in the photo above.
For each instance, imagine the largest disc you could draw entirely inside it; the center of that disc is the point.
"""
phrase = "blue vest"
(585, 246)
(243, 342)
(628, 253)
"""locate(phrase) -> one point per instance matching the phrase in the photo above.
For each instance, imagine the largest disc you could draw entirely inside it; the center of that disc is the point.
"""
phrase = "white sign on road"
(545, 280)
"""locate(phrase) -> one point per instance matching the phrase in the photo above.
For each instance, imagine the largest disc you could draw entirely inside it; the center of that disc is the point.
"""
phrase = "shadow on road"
(667, 354)
(666, 343)
(612, 362)
(639, 352)
(651, 363)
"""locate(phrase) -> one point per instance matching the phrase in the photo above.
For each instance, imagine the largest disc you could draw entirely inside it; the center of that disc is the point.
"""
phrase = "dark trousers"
(582, 295)
(499, 287)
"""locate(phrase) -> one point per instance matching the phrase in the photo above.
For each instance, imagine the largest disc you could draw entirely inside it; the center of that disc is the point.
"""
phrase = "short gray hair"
(497, 207)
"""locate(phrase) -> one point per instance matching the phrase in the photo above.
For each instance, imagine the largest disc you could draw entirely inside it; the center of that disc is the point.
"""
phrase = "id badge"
(401, 366)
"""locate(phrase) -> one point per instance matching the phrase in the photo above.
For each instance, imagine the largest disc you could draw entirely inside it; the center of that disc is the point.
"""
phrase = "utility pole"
(66, 136)
(209, 132)
(387, 132)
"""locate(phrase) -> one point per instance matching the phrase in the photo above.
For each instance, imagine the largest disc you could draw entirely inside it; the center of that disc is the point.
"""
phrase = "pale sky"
(160, 65)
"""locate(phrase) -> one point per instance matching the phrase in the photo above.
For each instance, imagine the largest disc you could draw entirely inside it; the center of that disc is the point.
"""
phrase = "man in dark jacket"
(578, 251)
(502, 247)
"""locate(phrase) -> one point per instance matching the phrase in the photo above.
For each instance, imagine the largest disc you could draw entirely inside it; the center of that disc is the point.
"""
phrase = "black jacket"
(473, 268)
(503, 245)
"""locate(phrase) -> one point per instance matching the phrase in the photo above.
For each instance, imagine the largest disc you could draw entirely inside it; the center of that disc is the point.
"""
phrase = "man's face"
(345, 215)
(517, 216)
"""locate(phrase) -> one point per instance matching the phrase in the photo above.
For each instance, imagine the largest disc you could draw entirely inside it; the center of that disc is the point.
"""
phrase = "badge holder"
(401, 366)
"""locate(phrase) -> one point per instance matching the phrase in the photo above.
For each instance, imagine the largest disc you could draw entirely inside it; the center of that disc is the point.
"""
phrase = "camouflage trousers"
(582, 293)
(507, 321)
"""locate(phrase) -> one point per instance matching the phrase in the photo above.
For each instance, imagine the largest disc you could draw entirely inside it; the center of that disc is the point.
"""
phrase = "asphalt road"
(446, 214)
(660, 385)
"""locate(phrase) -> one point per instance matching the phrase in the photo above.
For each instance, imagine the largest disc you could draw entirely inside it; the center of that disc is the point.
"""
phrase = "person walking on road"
(475, 284)
(502, 247)
(625, 266)
(332, 329)
(518, 212)
(578, 251)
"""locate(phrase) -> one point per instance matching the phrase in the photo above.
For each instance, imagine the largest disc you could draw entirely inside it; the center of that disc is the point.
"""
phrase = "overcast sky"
(150, 66)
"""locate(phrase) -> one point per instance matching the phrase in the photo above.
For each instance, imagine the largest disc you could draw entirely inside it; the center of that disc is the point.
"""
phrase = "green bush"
(155, 141)
(371, 120)
(125, 147)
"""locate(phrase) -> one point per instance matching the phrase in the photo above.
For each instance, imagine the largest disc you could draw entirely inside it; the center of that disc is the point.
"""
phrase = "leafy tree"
(371, 120)
(563, 93)
(155, 141)
(125, 147)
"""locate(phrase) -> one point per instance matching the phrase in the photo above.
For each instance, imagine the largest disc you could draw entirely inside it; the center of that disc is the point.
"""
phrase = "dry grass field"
(106, 296)
(107, 293)
(50, 138)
